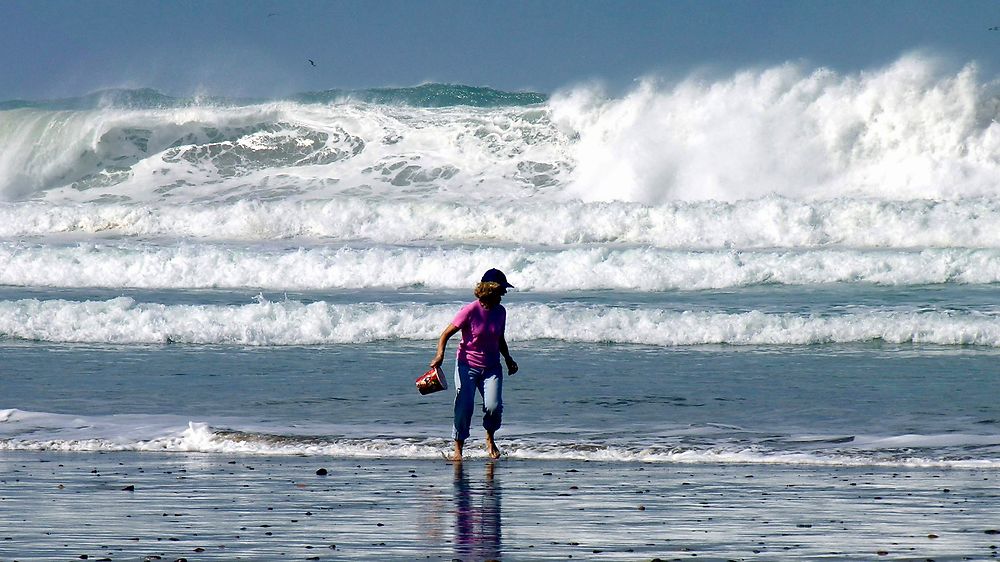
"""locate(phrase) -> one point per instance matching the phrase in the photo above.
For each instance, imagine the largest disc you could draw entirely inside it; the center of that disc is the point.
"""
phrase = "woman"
(477, 364)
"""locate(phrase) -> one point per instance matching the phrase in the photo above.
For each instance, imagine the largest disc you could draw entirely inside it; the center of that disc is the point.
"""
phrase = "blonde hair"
(489, 289)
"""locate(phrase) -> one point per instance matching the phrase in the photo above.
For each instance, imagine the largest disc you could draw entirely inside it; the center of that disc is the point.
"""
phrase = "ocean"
(781, 269)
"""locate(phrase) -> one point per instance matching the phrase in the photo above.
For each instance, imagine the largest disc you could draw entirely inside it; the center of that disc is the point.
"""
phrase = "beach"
(129, 506)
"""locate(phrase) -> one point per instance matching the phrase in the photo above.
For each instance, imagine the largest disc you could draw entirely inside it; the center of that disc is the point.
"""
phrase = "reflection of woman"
(477, 527)
(477, 366)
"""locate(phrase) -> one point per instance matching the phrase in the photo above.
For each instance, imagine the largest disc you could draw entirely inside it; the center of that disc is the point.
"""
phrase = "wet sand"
(151, 506)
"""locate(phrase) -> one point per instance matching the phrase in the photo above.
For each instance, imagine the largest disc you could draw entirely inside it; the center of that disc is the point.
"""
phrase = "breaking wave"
(122, 320)
(35, 431)
(915, 129)
(772, 222)
(318, 268)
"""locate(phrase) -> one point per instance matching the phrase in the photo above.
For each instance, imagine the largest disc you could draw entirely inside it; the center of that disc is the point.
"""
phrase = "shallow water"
(839, 405)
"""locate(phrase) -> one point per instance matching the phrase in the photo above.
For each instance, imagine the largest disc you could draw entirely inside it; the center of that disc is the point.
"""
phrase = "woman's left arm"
(511, 364)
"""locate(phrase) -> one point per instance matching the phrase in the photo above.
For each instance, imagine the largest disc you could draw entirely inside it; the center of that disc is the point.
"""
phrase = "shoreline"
(198, 506)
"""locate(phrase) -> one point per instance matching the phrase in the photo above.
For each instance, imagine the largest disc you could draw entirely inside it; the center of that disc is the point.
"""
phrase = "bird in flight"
(311, 62)
(994, 28)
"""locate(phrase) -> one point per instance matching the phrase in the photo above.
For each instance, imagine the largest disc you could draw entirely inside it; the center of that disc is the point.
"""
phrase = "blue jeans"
(489, 382)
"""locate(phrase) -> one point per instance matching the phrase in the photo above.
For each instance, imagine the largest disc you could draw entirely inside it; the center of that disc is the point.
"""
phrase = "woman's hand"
(511, 366)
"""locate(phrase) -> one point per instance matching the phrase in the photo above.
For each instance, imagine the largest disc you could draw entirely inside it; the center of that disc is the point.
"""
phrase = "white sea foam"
(124, 321)
(21, 430)
(279, 149)
(772, 222)
(199, 266)
(915, 129)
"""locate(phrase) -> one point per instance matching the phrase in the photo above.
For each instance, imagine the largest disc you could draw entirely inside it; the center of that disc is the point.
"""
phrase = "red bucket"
(432, 381)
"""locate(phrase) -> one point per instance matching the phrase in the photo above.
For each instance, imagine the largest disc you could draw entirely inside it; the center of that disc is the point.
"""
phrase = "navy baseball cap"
(496, 276)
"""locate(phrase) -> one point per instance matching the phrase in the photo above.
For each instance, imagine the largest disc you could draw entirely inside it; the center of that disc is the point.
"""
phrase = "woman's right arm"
(442, 342)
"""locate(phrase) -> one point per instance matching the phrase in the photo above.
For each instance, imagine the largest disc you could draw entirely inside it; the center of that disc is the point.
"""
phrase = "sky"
(59, 48)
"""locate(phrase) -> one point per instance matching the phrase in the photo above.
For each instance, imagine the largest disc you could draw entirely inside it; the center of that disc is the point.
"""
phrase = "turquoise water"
(424, 95)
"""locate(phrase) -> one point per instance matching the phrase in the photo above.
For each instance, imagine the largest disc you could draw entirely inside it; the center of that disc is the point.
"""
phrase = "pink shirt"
(481, 333)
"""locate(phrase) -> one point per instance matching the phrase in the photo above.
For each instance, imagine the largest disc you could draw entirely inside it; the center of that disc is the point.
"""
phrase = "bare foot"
(491, 448)
(457, 455)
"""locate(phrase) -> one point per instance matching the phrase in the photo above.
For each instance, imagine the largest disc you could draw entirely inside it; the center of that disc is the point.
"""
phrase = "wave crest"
(643, 269)
(122, 320)
(912, 130)
(764, 223)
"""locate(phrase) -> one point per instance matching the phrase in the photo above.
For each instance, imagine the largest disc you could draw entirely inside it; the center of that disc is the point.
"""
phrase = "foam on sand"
(39, 431)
